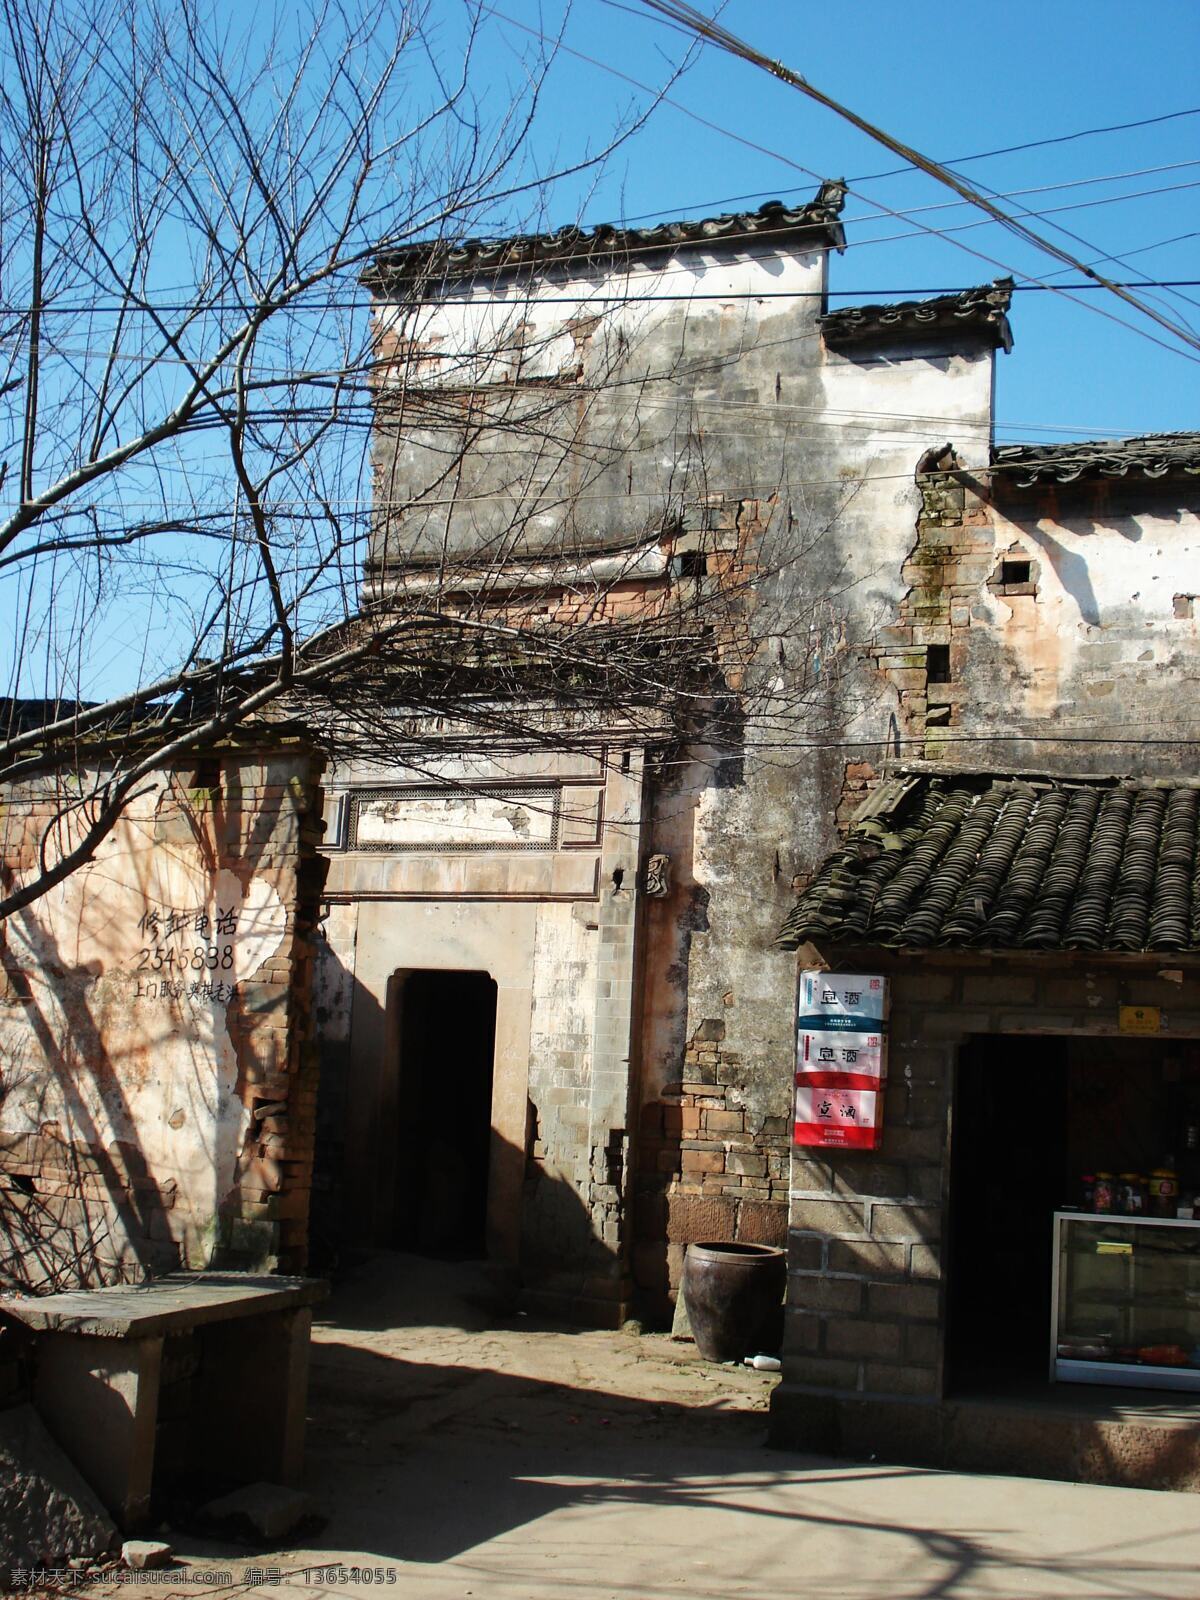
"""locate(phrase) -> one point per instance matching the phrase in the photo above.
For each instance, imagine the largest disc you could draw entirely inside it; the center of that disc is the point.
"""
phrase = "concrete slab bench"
(99, 1377)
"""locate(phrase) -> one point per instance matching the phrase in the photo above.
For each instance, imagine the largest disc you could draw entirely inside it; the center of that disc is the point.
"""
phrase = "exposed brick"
(811, 1174)
(925, 1262)
(762, 1223)
(693, 1219)
(916, 1300)
(922, 1342)
(867, 1258)
(723, 1121)
(817, 1293)
(844, 1337)
(914, 1144)
(869, 1177)
(822, 1372)
(802, 1332)
(703, 1160)
(829, 1217)
(900, 1221)
(805, 1253)
(879, 1378)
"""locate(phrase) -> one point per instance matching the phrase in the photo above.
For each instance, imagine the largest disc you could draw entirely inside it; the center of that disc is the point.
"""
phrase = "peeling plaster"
(97, 1052)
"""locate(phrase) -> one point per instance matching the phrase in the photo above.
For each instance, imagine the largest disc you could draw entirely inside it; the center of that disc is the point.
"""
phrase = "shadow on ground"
(474, 1452)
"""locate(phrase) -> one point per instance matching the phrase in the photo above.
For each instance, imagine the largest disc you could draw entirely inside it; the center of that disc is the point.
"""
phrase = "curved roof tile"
(972, 315)
(1152, 456)
(812, 225)
(1014, 864)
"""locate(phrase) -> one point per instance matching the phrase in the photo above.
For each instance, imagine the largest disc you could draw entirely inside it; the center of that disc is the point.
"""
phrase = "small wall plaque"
(1139, 1019)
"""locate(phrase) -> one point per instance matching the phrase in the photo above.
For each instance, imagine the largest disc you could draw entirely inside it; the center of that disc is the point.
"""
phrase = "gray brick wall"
(866, 1280)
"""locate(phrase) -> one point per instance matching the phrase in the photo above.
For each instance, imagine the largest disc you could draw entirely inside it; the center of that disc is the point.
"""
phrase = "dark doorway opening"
(1008, 1170)
(446, 1023)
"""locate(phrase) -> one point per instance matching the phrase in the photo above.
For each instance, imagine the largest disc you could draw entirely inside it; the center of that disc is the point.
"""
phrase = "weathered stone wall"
(1064, 617)
(157, 1076)
(589, 404)
(746, 824)
(864, 1349)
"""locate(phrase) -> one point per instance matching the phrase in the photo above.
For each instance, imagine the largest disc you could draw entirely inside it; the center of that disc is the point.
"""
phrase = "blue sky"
(950, 82)
(953, 83)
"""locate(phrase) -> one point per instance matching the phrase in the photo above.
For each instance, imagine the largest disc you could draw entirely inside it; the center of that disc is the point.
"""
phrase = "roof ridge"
(448, 258)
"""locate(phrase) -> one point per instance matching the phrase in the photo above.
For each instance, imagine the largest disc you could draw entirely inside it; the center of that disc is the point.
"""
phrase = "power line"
(681, 11)
(637, 299)
(872, 177)
(798, 166)
(544, 500)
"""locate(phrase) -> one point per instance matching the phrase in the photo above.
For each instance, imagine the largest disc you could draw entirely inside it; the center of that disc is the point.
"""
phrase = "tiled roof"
(977, 313)
(810, 226)
(1154, 455)
(1012, 863)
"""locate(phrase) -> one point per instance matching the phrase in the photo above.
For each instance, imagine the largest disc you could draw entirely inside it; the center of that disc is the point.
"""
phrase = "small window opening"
(207, 774)
(937, 663)
(690, 564)
(1014, 572)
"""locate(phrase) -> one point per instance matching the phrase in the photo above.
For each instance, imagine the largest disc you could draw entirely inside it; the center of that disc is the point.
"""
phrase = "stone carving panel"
(434, 819)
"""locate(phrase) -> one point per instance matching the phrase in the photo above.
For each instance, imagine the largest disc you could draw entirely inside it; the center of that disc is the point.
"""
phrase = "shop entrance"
(1031, 1117)
(446, 1028)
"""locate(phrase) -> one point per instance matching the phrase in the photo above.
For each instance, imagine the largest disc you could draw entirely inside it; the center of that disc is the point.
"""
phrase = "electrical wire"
(800, 167)
(680, 11)
(745, 491)
(245, 306)
(895, 172)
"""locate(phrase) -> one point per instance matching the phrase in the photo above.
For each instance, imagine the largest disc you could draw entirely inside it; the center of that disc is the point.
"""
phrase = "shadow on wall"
(126, 1102)
(75, 1212)
(407, 1158)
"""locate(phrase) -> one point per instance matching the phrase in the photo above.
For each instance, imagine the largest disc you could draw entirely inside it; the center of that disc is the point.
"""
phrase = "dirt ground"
(459, 1449)
(412, 1353)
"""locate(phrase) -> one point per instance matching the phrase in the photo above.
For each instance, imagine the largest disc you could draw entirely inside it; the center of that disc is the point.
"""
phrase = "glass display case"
(1125, 1302)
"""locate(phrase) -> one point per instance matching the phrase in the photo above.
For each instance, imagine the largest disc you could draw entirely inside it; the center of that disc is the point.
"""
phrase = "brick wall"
(156, 1104)
(946, 572)
(865, 1318)
(704, 1171)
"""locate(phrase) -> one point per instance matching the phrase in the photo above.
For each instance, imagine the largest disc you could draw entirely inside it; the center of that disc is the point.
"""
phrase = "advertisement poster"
(842, 1118)
(841, 1059)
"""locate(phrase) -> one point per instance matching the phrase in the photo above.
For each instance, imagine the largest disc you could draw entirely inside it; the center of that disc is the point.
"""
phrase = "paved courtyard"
(458, 1450)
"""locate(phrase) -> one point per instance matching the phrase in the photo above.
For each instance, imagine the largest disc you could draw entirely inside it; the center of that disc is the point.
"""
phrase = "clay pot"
(733, 1293)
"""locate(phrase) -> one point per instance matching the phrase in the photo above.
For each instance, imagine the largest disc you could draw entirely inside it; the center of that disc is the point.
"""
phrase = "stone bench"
(99, 1378)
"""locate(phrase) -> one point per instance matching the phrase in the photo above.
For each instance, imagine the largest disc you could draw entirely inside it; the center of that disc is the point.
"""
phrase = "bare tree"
(189, 382)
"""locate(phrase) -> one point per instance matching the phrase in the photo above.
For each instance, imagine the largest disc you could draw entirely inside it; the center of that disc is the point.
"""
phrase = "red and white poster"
(842, 1118)
(841, 1059)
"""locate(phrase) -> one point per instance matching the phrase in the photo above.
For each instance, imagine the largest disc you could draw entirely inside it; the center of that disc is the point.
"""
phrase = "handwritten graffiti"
(180, 989)
(200, 958)
(173, 963)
